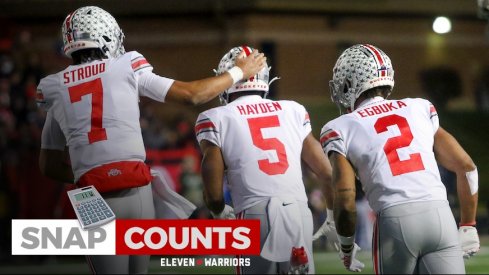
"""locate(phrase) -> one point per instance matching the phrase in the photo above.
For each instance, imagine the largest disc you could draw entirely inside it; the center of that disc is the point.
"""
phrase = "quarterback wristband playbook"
(236, 74)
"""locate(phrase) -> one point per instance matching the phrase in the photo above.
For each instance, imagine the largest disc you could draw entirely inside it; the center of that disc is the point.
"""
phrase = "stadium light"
(442, 25)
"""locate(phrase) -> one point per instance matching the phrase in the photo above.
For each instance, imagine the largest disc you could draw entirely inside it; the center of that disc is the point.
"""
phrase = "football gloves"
(469, 240)
(350, 261)
(226, 214)
(328, 229)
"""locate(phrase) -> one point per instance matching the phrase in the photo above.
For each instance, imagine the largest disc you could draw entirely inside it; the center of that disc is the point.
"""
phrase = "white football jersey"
(390, 145)
(261, 142)
(93, 109)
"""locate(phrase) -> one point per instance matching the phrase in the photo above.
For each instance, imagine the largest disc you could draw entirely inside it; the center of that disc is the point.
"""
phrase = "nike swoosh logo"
(285, 204)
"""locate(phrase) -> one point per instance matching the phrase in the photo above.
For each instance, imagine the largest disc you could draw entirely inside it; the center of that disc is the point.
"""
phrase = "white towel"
(168, 203)
(286, 229)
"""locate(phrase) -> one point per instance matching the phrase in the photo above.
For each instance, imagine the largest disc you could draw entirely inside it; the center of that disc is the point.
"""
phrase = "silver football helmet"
(359, 68)
(92, 27)
(259, 82)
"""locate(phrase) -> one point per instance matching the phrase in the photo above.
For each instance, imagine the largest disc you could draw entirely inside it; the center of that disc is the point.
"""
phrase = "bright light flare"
(442, 25)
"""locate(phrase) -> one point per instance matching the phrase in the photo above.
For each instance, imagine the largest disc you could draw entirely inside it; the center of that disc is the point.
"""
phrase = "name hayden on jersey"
(260, 108)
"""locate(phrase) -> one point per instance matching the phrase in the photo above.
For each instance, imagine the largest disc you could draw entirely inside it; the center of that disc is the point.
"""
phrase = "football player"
(256, 145)
(392, 147)
(92, 108)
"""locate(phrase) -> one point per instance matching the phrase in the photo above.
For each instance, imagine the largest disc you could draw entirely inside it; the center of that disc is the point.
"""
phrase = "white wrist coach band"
(473, 180)
(236, 74)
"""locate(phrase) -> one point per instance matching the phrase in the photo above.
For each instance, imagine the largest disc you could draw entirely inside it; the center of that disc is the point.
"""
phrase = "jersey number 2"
(256, 125)
(94, 87)
(399, 167)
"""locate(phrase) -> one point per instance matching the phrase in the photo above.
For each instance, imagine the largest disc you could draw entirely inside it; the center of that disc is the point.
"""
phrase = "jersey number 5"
(399, 167)
(94, 87)
(256, 125)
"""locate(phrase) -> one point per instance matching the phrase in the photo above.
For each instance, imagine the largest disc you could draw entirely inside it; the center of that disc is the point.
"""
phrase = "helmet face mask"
(358, 69)
(258, 82)
(341, 101)
(92, 27)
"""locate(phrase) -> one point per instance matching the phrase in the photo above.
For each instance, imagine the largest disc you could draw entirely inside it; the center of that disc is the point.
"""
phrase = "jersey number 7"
(94, 87)
(398, 166)
(256, 125)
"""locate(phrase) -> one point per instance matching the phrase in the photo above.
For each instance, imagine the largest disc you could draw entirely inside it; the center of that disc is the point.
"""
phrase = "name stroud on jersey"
(83, 72)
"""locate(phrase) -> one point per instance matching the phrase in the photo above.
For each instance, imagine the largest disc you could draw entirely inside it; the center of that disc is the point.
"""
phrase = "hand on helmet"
(251, 64)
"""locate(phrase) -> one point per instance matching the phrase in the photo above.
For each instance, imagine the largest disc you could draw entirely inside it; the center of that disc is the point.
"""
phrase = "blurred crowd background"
(185, 40)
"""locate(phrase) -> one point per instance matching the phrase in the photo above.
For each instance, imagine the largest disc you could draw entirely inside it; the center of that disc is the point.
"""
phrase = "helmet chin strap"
(273, 79)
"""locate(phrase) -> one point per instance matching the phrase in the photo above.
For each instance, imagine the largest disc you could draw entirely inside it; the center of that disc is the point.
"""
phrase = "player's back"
(96, 107)
(390, 144)
(261, 142)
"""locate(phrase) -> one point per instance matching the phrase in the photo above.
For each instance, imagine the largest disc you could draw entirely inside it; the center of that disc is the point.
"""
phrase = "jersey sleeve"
(331, 140)
(139, 63)
(205, 128)
(433, 116)
(52, 137)
(305, 122)
(43, 99)
(149, 84)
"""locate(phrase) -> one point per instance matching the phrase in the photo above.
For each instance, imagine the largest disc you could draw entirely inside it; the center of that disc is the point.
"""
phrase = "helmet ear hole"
(346, 86)
(106, 38)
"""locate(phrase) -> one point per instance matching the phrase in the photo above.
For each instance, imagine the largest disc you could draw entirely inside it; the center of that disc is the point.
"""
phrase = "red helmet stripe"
(378, 57)
(247, 52)
(68, 26)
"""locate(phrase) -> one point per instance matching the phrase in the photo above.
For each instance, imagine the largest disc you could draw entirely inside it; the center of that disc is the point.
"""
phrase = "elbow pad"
(473, 180)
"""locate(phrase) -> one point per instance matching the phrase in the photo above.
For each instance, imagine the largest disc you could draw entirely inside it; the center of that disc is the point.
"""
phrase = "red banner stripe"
(188, 237)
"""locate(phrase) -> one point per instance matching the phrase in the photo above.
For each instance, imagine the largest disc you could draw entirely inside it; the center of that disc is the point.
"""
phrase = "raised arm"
(201, 91)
